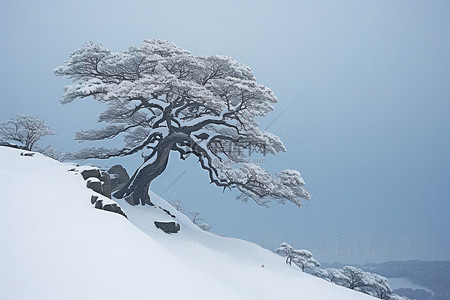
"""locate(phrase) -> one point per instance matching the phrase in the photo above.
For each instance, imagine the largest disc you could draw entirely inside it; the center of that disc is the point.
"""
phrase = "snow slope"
(55, 245)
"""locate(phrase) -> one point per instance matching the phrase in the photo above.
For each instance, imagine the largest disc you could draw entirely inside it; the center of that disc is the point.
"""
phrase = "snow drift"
(56, 245)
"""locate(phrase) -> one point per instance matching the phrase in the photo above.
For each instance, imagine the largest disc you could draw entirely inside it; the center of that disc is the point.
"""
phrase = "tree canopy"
(161, 98)
(27, 130)
(302, 258)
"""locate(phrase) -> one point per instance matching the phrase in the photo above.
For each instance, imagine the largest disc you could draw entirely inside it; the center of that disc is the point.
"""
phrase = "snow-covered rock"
(89, 172)
(168, 227)
(94, 184)
(55, 245)
(119, 177)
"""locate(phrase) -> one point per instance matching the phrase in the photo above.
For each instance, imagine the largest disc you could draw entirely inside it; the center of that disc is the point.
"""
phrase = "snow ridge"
(55, 245)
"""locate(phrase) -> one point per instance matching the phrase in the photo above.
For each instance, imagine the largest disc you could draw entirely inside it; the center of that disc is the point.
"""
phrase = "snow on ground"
(55, 245)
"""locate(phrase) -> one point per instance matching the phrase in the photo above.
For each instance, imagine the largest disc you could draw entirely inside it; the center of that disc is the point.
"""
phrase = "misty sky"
(364, 106)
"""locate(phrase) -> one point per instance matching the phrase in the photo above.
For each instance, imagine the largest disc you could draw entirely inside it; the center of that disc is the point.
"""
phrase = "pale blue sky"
(364, 105)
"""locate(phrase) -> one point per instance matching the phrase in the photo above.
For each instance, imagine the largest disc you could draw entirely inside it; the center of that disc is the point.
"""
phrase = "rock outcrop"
(103, 183)
(99, 181)
(168, 227)
(112, 207)
(118, 177)
(11, 145)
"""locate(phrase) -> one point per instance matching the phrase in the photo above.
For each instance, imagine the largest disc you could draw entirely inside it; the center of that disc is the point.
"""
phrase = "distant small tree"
(177, 205)
(26, 130)
(356, 279)
(199, 221)
(204, 226)
(302, 258)
(378, 286)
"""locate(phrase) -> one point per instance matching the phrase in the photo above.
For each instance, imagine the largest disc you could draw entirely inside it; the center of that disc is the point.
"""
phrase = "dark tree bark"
(153, 166)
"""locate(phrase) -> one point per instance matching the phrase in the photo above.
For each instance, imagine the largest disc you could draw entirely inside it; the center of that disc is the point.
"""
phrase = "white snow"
(92, 179)
(55, 245)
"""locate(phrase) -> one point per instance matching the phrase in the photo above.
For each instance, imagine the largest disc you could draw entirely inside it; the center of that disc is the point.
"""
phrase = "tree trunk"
(139, 183)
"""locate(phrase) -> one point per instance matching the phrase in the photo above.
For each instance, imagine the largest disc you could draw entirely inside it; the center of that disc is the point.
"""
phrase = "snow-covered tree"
(378, 286)
(321, 273)
(287, 251)
(353, 277)
(27, 130)
(336, 275)
(204, 226)
(357, 279)
(162, 99)
(302, 258)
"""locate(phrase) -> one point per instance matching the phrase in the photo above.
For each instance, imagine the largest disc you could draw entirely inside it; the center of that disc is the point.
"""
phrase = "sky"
(364, 106)
(109, 257)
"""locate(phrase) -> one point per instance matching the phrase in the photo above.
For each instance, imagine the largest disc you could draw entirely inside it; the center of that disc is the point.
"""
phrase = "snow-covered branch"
(161, 98)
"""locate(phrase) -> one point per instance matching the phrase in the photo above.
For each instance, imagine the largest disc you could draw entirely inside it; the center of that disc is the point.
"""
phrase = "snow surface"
(55, 245)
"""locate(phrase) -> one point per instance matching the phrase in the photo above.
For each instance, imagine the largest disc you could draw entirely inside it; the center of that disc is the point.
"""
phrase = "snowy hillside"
(56, 245)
